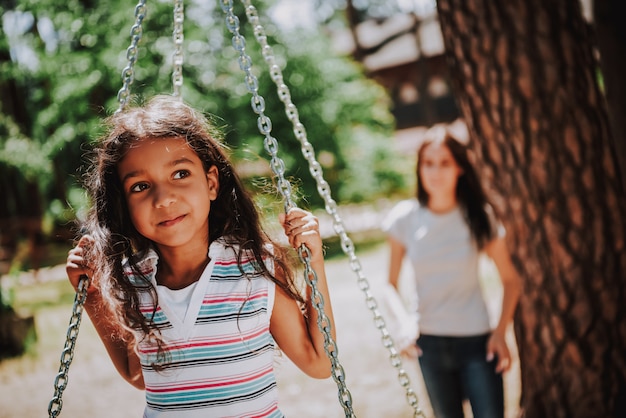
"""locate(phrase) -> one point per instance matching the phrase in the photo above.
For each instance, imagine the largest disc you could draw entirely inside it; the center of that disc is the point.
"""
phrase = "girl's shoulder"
(141, 264)
(226, 247)
(228, 251)
(230, 243)
(146, 257)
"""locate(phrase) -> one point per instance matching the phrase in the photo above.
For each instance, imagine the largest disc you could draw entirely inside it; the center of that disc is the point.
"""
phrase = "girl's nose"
(163, 196)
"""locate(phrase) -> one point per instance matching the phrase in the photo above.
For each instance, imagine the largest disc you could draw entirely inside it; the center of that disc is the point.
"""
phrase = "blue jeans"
(454, 369)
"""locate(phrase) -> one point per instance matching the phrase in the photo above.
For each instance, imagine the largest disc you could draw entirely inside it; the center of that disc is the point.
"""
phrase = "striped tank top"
(220, 355)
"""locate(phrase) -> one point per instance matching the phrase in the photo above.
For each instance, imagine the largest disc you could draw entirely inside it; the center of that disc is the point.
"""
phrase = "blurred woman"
(442, 233)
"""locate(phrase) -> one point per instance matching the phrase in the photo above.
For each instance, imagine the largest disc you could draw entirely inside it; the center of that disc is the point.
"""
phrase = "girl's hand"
(76, 265)
(496, 347)
(302, 227)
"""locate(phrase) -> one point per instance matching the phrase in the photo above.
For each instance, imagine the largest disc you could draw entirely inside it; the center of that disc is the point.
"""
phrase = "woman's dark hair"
(233, 214)
(469, 193)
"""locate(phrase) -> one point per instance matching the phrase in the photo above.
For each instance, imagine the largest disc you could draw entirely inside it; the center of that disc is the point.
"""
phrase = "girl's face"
(439, 171)
(168, 192)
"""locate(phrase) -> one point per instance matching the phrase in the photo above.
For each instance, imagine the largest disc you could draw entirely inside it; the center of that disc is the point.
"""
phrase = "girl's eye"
(139, 187)
(181, 174)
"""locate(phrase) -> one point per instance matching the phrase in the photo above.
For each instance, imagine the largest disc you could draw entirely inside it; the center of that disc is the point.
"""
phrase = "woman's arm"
(511, 285)
(120, 349)
(296, 332)
(406, 333)
(396, 256)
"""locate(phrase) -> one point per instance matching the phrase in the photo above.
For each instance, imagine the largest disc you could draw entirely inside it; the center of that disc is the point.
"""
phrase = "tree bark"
(526, 82)
(608, 16)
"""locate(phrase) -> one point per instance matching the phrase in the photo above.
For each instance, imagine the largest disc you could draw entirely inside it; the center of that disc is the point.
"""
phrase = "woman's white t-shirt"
(445, 262)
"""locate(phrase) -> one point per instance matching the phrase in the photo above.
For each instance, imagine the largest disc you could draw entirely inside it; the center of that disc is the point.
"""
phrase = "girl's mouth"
(173, 221)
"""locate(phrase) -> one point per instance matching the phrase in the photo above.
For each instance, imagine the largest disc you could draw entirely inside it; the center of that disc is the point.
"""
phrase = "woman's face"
(438, 170)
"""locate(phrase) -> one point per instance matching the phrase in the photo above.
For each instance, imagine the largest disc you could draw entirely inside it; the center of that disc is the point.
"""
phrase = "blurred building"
(405, 54)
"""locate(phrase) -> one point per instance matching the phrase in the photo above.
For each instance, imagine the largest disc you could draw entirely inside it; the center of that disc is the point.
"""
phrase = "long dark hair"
(469, 193)
(233, 214)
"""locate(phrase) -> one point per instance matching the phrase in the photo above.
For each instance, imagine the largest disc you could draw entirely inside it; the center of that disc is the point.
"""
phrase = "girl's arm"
(511, 285)
(296, 332)
(120, 350)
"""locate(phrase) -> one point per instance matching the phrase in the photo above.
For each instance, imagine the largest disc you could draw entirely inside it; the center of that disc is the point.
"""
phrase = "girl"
(187, 293)
(442, 233)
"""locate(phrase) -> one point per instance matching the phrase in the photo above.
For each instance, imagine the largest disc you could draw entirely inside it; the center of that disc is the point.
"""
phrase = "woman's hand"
(77, 265)
(496, 347)
(512, 288)
(302, 227)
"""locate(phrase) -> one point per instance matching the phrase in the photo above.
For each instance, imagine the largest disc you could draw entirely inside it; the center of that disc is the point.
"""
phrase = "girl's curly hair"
(233, 214)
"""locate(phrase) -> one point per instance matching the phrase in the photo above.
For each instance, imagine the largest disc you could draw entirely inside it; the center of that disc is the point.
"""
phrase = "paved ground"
(95, 390)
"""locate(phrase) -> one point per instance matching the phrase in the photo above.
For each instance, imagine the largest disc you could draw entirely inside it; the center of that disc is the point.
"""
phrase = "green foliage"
(58, 97)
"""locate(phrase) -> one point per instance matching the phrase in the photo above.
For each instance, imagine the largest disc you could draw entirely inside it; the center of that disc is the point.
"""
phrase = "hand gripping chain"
(330, 205)
(278, 167)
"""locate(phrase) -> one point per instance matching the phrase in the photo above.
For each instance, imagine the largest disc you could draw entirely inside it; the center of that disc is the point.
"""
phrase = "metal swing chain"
(136, 32)
(128, 73)
(331, 206)
(177, 58)
(278, 167)
(67, 355)
(60, 382)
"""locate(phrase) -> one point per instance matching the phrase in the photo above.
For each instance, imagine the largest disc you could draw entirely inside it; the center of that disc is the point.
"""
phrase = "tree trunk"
(608, 16)
(526, 82)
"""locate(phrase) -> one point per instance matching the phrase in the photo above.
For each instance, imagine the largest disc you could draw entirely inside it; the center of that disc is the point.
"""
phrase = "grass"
(35, 298)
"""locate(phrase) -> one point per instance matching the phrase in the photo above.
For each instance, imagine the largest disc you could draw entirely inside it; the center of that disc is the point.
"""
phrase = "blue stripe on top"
(224, 367)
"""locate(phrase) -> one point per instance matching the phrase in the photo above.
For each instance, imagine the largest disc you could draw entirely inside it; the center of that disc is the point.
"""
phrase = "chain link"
(278, 167)
(323, 189)
(60, 382)
(177, 58)
(257, 103)
(67, 355)
(128, 73)
(323, 323)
